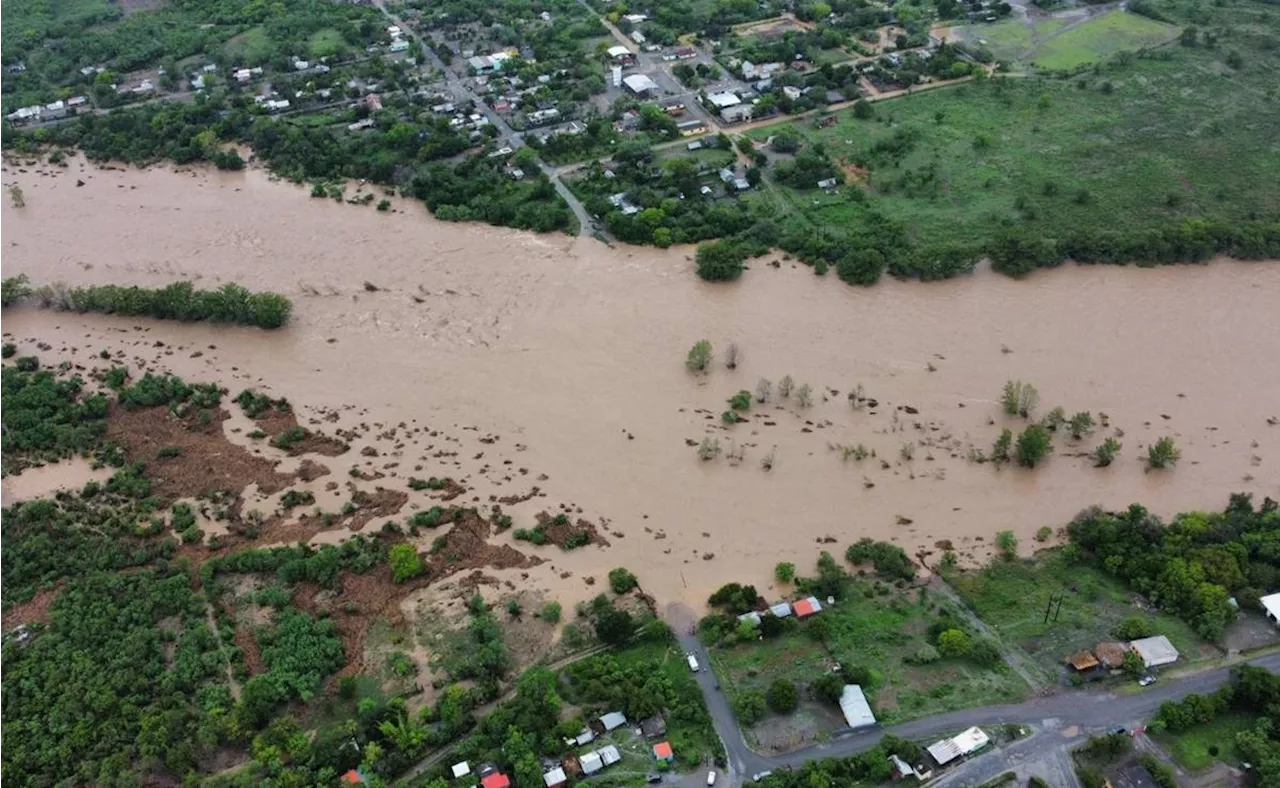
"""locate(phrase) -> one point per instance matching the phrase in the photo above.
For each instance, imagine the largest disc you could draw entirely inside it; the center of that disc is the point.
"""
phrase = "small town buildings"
(693, 146)
(495, 780)
(686, 53)
(352, 777)
(639, 84)
(399, 45)
(653, 727)
(619, 52)
(488, 64)
(1155, 651)
(782, 609)
(1110, 653)
(751, 72)
(542, 116)
(461, 770)
(723, 100)
(810, 605)
(962, 744)
(609, 755)
(638, 37)
(591, 762)
(555, 778)
(902, 769)
(612, 720)
(1083, 661)
(636, 19)
(662, 752)
(736, 114)
(853, 704)
(690, 127)
(1271, 606)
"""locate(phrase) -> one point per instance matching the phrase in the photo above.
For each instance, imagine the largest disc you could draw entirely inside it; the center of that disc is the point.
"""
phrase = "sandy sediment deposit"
(549, 371)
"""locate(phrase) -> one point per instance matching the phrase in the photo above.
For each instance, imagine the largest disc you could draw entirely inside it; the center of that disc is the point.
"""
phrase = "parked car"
(1147, 680)
(693, 663)
(711, 777)
(653, 778)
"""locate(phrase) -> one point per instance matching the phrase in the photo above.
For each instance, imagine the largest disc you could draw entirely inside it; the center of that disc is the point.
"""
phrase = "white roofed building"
(853, 703)
(962, 744)
(1155, 651)
(1271, 606)
(639, 84)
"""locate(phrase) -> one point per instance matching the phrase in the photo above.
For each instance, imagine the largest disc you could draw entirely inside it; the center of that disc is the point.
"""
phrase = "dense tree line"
(231, 303)
(1254, 691)
(47, 418)
(1192, 565)
(871, 767)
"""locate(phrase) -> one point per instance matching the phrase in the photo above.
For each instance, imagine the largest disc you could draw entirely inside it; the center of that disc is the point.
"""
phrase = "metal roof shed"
(1271, 605)
(609, 754)
(857, 712)
(614, 719)
(591, 762)
(1155, 651)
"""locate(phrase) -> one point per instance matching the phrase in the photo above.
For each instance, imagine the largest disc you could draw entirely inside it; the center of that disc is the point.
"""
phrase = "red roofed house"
(806, 607)
(496, 780)
(661, 751)
(353, 777)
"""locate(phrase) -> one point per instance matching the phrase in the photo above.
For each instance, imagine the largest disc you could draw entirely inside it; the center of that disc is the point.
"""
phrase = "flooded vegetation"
(558, 367)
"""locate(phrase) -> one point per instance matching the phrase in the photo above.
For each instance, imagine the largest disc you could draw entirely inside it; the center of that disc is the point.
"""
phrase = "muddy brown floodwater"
(569, 356)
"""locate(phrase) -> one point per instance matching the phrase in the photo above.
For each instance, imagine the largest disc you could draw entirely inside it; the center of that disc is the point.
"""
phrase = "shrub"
(550, 613)
(953, 643)
(1008, 545)
(1106, 453)
(621, 580)
(1043, 533)
(1003, 445)
(925, 655)
(783, 697)
(9, 350)
(1019, 399)
(384, 205)
(406, 564)
(699, 357)
(1133, 628)
(889, 559)
(1162, 453)
(785, 571)
(749, 707)
(1034, 444)
(740, 401)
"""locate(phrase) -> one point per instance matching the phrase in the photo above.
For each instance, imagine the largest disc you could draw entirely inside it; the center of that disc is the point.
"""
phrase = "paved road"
(460, 90)
(1090, 711)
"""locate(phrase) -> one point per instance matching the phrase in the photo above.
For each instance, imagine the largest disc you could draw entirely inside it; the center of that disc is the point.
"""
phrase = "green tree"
(699, 357)
(550, 613)
(749, 707)
(1003, 445)
(1163, 453)
(1034, 444)
(785, 571)
(783, 697)
(953, 643)
(1080, 424)
(1008, 545)
(406, 564)
(1133, 664)
(13, 289)
(720, 261)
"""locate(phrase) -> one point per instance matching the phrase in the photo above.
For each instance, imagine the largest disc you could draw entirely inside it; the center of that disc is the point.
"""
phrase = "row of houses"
(1155, 652)
(55, 110)
(802, 608)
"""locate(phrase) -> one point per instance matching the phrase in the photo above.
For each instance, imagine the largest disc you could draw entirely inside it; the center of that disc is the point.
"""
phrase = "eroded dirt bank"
(564, 358)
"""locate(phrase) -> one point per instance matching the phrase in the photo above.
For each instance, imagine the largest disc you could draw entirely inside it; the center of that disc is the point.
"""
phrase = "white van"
(693, 665)
(711, 777)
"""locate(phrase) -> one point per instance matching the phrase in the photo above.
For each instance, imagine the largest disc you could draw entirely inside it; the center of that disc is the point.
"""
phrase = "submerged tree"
(1106, 453)
(1162, 453)
(699, 357)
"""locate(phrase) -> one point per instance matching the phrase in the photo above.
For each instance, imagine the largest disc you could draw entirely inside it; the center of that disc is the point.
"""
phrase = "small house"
(1155, 651)
(352, 777)
(461, 770)
(1271, 606)
(853, 704)
(612, 720)
(639, 84)
(495, 780)
(962, 744)
(810, 605)
(609, 755)
(1083, 661)
(554, 778)
(662, 752)
(591, 762)
(781, 610)
(653, 727)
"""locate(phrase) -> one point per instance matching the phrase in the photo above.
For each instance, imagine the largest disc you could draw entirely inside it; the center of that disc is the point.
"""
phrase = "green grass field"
(1012, 599)
(1133, 147)
(877, 633)
(1101, 37)
(1191, 748)
(1008, 40)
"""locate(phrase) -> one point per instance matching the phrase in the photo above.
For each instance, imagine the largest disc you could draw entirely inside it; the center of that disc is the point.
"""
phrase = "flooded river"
(569, 355)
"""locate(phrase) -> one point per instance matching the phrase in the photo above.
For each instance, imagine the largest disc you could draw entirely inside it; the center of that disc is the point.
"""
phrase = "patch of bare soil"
(203, 461)
(854, 174)
(466, 546)
(275, 421)
(33, 611)
(310, 470)
(560, 533)
(450, 490)
(248, 644)
(512, 500)
(380, 503)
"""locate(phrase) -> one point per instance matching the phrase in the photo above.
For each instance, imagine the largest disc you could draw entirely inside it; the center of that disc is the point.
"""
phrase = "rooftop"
(857, 712)
(1155, 651)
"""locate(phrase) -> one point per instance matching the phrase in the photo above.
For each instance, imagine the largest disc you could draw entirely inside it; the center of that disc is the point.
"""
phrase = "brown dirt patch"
(450, 490)
(310, 470)
(560, 533)
(33, 611)
(466, 546)
(853, 174)
(380, 503)
(249, 647)
(274, 421)
(205, 463)
(512, 500)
